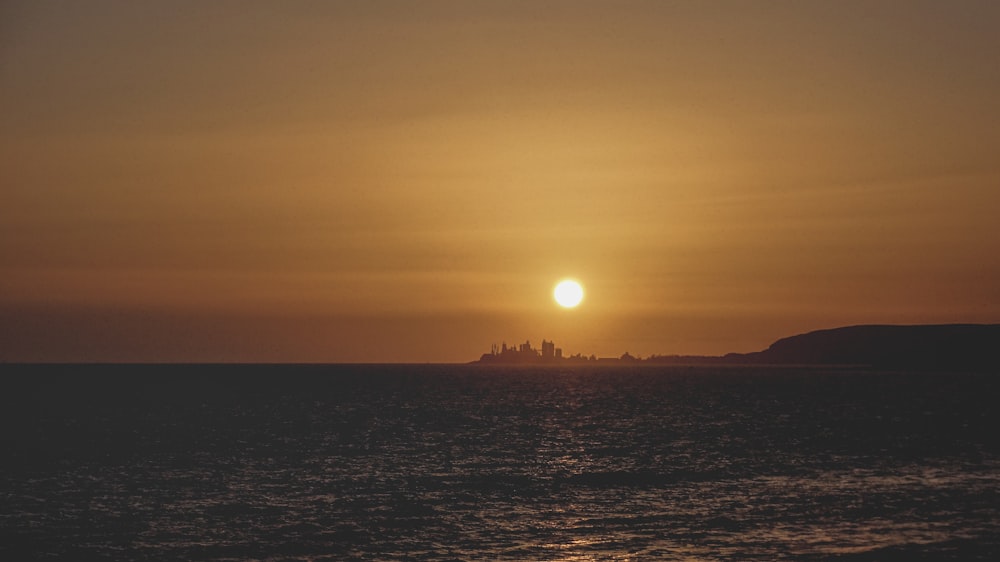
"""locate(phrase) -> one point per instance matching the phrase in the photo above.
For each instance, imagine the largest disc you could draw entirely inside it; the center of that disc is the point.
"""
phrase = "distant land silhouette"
(959, 347)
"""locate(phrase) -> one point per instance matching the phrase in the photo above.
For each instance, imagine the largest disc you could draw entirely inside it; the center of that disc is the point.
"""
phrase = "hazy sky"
(407, 181)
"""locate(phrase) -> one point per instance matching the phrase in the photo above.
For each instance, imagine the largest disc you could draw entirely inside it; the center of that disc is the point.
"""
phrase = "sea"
(504, 463)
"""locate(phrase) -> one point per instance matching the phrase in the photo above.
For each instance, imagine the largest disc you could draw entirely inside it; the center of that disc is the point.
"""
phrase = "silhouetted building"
(548, 350)
(522, 353)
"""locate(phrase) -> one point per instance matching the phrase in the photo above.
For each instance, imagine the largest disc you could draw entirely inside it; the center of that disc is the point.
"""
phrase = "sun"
(568, 293)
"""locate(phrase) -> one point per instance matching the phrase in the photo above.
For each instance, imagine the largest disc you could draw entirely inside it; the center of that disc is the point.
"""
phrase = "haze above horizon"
(397, 181)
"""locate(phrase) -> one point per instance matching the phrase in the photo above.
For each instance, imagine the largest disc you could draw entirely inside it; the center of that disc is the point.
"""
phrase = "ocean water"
(455, 462)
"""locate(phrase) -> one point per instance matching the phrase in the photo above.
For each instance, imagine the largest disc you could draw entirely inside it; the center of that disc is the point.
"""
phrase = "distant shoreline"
(936, 347)
(922, 347)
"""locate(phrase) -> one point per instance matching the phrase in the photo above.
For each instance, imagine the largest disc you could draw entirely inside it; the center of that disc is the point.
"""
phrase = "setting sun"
(568, 293)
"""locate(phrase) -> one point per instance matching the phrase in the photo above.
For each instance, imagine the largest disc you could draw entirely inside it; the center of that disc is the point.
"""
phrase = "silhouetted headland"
(959, 347)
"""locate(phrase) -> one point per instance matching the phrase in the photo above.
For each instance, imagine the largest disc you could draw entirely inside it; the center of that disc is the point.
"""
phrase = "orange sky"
(406, 181)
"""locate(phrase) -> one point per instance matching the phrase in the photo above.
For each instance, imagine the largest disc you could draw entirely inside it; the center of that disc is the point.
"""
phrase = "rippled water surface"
(499, 463)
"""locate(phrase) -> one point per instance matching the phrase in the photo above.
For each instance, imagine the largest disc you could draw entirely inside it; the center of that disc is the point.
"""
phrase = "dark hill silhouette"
(946, 346)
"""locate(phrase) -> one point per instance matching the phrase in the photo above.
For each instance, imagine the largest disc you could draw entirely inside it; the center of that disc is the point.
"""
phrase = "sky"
(407, 181)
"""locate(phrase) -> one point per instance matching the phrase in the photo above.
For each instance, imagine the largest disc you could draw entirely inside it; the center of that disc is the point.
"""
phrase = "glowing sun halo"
(568, 293)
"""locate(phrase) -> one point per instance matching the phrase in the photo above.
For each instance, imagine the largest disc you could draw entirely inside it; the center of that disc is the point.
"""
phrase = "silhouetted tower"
(548, 349)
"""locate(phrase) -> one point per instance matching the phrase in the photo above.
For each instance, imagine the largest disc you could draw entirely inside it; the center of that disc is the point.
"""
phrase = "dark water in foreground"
(466, 463)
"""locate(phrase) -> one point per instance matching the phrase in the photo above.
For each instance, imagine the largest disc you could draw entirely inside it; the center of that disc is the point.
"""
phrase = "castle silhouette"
(549, 353)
